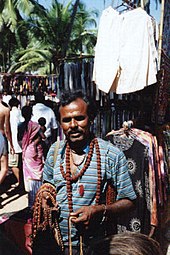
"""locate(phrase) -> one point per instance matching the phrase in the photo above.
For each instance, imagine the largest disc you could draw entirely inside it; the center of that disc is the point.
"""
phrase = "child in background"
(42, 122)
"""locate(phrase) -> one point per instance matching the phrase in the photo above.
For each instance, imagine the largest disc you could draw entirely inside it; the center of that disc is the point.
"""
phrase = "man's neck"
(79, 146)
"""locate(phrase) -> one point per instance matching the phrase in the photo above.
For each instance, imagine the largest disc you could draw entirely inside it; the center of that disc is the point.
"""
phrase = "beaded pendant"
(81, 190)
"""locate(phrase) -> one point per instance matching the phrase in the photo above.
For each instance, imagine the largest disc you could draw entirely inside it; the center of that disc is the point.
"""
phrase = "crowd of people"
(26, 135)
(67, 181)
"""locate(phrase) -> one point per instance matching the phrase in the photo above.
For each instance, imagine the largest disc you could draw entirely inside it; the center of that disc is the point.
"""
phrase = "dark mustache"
(74, 132)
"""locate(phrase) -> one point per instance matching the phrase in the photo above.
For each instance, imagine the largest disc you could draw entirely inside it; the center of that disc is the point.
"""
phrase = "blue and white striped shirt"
(113, 167)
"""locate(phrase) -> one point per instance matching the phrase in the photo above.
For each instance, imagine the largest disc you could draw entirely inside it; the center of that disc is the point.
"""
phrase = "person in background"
(5, 127)
(127, 243)
(15, 160)
(30, 134)
(5, 130)
(42, 122)
(79, 173)
(3, 158)
(41, 110)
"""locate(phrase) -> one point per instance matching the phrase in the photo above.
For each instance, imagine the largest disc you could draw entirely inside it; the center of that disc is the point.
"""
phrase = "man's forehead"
(77, 105)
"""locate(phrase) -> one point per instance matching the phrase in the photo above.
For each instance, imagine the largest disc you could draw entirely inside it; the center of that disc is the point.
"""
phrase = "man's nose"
(73, 123)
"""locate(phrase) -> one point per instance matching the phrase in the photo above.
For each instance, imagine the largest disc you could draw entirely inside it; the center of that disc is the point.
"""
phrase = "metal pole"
(160, 33)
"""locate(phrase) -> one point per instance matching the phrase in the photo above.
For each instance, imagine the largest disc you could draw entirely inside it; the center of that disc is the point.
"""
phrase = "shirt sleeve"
(121, 179)
(53, 120)
(49, 166)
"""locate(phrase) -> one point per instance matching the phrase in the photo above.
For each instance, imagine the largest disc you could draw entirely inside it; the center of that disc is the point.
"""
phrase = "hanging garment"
(160, 104)
(125, 52)
(156, 168)
(166, 30)
(138, 219)
(147, 139)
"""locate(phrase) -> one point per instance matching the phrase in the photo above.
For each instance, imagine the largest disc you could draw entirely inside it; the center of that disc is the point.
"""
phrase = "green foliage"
(40, 34)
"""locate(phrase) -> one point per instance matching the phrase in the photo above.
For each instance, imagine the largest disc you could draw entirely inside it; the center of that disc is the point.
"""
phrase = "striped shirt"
(113, 167)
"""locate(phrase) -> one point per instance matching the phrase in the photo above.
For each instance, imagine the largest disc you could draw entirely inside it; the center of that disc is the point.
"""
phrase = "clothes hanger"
(126, 126)
(127, 4)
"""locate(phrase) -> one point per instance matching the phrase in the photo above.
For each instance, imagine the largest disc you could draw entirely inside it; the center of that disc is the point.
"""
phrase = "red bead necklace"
(74, 178)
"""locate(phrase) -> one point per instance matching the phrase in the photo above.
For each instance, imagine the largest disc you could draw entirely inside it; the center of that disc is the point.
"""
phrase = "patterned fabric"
(147, 139)
(166, 29)
(138, 219)
(160, 108)
(155, 177)
(113, 167)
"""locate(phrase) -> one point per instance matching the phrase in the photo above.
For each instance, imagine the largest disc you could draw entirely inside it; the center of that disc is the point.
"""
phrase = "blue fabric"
(113, 167)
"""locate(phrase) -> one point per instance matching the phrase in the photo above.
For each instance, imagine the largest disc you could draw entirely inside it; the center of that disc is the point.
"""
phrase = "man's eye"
(66, 119)
(79, 118)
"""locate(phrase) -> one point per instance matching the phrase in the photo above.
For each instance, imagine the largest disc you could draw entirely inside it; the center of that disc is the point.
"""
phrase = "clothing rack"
(147, 167)
(161, 32)
(126, 126)
(76, 58)
(131, 3)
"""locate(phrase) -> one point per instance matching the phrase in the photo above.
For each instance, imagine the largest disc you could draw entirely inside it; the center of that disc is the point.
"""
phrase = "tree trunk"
(70, 26)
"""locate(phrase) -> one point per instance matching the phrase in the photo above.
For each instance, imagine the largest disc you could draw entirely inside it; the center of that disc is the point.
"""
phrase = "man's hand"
(86, 215)
(82, 216)
(12, 151)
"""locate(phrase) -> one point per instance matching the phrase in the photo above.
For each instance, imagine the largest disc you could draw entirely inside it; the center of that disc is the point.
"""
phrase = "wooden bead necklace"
(74, 178)
(42, 217)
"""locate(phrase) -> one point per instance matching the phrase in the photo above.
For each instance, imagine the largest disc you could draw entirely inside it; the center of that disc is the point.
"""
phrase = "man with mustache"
(83, 166)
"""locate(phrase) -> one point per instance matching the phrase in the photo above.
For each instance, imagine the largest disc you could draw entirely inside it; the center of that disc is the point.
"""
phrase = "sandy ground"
(12, 200)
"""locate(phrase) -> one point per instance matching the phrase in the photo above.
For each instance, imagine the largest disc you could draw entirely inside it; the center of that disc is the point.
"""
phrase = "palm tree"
(48, 37)
(84, 35)
(5, 49)
(70, 26)
(49, 31)
(12, 13)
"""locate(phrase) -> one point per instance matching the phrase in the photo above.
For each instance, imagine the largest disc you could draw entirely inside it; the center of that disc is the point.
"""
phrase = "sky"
(100, 6)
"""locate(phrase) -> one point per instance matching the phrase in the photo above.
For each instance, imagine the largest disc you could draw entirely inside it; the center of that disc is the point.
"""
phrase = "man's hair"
(128, 243)
(70, 96)
(39, 97)
(14, 102)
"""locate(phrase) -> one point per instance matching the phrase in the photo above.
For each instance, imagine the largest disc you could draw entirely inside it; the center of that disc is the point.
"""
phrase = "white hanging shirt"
(125, 52)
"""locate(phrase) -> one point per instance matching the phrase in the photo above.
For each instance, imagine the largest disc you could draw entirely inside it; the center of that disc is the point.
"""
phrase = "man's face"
(75, 121)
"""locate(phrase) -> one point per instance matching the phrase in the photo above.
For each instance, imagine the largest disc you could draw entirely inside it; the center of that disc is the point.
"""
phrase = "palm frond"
(25, 6)
(9, 15)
